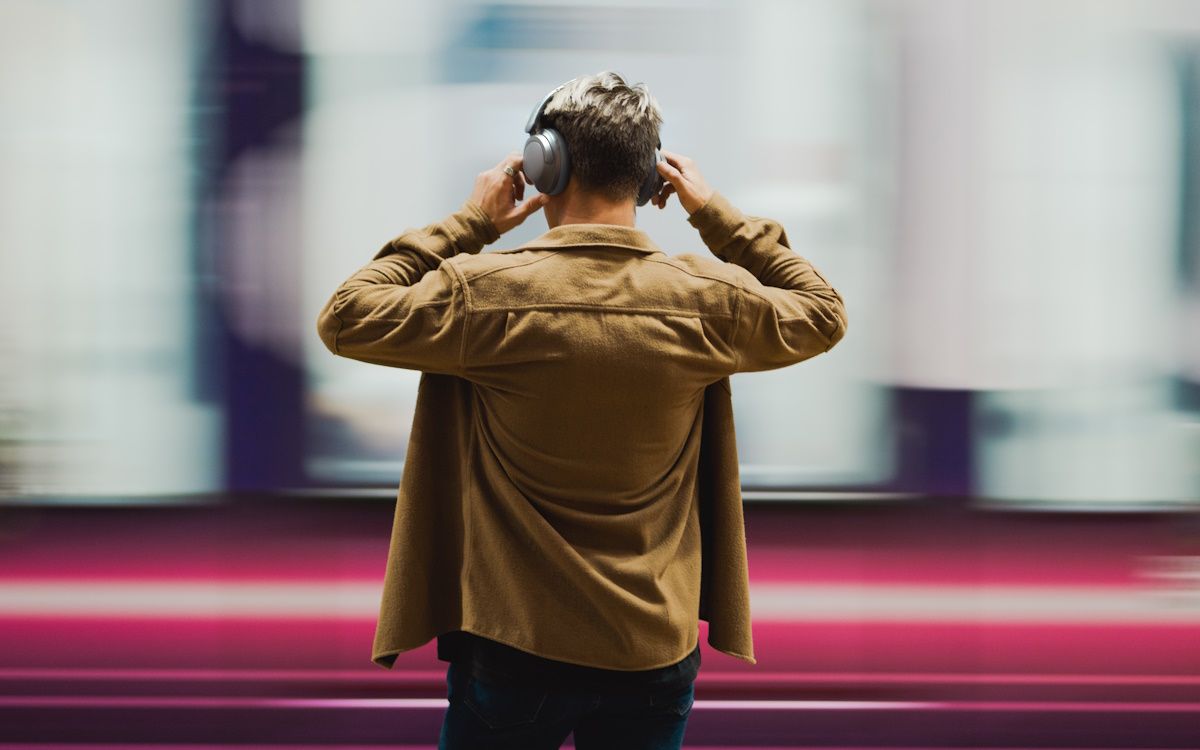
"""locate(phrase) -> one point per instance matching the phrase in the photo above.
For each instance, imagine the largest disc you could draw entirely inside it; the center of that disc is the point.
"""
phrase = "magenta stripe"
(407, 676)
(51, 701)
(223, 746)
(776, 549)
(569, 746)
(374, 674)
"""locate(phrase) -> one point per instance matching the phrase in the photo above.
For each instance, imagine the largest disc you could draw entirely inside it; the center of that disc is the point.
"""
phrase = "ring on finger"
(508, 170)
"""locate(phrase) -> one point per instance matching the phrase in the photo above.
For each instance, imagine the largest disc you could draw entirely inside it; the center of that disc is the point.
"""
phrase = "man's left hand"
(500, 194)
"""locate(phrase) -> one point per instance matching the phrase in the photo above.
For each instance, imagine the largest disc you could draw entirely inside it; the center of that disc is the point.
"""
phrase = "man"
(570, 500)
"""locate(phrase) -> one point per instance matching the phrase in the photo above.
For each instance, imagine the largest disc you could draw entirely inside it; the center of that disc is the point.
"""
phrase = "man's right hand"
(500, 191)
(682, 176)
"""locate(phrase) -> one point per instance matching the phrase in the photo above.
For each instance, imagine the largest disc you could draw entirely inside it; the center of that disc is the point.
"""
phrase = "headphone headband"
(537, 113)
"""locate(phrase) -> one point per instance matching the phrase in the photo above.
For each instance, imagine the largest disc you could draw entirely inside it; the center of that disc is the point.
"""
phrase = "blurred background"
(973, 524)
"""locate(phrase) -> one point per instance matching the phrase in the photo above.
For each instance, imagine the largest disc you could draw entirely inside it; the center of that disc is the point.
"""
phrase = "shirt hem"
(387, 659)
(526, 649)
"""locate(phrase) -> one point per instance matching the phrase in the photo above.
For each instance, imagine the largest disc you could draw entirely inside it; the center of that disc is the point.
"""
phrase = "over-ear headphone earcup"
(545, 161)
(653, 184)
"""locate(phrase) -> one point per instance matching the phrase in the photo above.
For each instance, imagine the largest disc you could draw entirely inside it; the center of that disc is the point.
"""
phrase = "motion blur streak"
(771, 602)
(975, 523)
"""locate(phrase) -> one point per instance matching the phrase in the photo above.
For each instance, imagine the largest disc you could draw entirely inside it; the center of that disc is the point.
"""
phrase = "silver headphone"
(547, 161)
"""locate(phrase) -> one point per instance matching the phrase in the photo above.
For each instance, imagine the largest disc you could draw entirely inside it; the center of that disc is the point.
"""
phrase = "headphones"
(547, 162)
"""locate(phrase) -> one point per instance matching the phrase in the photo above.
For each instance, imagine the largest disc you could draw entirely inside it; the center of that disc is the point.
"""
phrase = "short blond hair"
(611, 129)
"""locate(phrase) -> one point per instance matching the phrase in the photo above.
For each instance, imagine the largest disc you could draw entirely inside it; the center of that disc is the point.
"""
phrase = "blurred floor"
(914, 624)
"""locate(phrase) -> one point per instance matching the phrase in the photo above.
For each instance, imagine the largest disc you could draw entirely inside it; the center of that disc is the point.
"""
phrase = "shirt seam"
(464, 583)
(338, 333)
(465, 289)
(373, 319)
(737, 325)
(667, 262)
(547, 246)
(833, 338)
(605, 308)
(504, 268)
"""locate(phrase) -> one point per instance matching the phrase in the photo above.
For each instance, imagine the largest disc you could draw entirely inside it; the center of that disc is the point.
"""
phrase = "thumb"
(531, 205)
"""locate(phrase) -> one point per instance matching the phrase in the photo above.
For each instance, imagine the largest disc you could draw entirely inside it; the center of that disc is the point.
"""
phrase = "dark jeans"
(491, 711)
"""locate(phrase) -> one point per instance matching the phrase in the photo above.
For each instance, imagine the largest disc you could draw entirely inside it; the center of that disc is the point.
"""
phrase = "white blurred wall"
(94, 266)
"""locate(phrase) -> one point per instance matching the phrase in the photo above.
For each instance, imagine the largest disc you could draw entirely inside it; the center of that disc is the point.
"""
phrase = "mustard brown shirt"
(571, 486)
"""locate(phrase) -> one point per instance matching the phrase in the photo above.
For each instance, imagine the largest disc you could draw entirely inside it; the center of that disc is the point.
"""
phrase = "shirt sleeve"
(787, 311)
(406, 308)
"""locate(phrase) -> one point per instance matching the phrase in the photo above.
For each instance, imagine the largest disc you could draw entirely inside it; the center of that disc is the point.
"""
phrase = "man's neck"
(582, 208)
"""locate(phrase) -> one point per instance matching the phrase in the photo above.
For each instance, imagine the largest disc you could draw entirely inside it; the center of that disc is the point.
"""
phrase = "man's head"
(611, 129)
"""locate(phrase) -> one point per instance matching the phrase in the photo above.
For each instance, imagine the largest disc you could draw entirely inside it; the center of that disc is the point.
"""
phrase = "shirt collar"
(594, 235)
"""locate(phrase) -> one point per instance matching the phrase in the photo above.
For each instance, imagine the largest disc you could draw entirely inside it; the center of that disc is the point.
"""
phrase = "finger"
(666, 192)
(512, 163)
(533, 204)
(514, 160)
(669, 171)
(675, 160)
